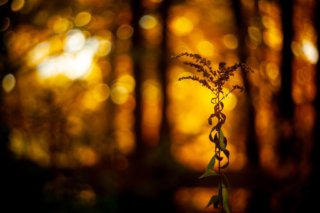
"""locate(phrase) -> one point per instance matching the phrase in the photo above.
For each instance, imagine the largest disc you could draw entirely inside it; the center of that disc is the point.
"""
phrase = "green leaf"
(221, 140)
(208, 173)
(211, 162)
(223, 117)
(209, 170)
(225, 198)
(224, 177)
(215, 200)
(225, 141)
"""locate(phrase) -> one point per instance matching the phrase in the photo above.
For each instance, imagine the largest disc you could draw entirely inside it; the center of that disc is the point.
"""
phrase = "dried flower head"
(212, 79)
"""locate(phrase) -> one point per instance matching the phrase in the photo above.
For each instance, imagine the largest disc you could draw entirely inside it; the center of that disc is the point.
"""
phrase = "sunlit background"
(94, 119)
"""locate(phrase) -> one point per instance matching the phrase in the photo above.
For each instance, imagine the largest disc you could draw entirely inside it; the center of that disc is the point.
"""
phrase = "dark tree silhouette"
(286, 105)
(286, 144)
(137, 49)
(241, 29)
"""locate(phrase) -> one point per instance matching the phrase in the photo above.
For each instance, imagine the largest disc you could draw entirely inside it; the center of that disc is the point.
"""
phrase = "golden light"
(195, 153)
(295, 48)
(101, 92)
(304, 89)
(272, 71)
(230, 102)
(262, 122)
(82, 19)
(123, 64)
(267, 155)
(310, 51)
(125, 141)
(125, 31)
(76, 62)
(238, 159)
(35, 148)
(64, 53)
(148, 22)
(268, 22)
(151, 91)
(74, 125)
(189, 123)
(119, 94)
(151, 117)
(254, 34)
(60, 25)
(181, 26)
(80, 65)
(194, 198)
(230, 41)
(105, 47)
(206, 48)
(93, 97)
(73, 67)
(38, 152)
(17, 144)
(304, 76)
(74, 41)
(273, 38)
(85, 155)
(17, 5)
(56, 44)
(297, 94)
(127, 81)
(305, 116)
(38, 53)
(8, 83)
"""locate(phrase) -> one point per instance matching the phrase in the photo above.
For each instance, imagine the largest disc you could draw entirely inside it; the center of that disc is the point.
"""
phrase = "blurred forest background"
(94, 119)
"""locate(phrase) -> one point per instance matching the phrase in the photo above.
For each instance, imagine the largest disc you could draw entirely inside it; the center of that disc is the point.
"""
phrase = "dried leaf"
(210, 118)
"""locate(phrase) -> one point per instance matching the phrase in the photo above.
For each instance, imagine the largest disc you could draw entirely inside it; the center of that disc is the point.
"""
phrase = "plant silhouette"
(215, 81)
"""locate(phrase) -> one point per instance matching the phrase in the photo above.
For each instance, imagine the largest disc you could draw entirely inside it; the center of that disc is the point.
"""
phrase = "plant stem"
(219, 150)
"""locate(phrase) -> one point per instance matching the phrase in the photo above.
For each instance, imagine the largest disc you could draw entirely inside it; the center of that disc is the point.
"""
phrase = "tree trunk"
(251, 142)
(286, 105)
(286, 144)
(136, 55)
